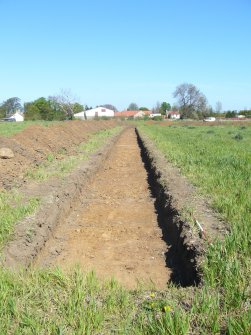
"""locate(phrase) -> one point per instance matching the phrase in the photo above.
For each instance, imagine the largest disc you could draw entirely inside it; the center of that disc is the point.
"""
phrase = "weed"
(238, 137)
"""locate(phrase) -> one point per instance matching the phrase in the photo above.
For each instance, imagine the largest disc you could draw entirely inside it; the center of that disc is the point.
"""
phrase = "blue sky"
(126, 51)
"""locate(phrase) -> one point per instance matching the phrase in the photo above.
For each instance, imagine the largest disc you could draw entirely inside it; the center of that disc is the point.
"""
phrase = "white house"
(173, 115)
(153, 115)
(94, 112)
(17, 117)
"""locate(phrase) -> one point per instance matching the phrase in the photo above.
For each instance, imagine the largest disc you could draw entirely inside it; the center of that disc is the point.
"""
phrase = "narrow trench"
(179, 258)
(113, 228)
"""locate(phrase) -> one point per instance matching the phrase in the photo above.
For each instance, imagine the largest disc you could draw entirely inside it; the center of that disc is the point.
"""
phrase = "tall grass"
(218, 162)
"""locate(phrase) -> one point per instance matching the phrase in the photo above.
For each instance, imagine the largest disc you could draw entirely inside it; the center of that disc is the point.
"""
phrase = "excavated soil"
(35, 143)
(120, 214)
(114, 228)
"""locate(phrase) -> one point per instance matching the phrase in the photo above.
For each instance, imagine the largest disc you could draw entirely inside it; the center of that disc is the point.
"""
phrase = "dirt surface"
(35, 143)
(113, 229)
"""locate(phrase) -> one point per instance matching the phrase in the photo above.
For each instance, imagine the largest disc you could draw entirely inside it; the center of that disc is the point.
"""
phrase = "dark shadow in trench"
(179, 258)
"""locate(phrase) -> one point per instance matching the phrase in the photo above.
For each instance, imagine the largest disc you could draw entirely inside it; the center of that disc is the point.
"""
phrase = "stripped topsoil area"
(35, 143)
(121, 214)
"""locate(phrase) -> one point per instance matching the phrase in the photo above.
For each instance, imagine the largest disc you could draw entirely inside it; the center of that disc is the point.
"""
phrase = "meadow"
(218, 161)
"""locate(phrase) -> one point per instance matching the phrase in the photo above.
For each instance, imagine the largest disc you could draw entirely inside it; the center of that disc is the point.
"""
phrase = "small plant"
(238, 137)
(50, 158)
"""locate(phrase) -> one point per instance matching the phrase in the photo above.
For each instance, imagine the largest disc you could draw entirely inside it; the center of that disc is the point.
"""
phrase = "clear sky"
(117, 52)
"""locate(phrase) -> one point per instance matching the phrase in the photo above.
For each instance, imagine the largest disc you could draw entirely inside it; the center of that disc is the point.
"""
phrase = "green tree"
(245, 112)
(230, 114)
(43, 109)
(144, 109)
(77, 108)
(133, 107)
(10, 106)
(165, 106)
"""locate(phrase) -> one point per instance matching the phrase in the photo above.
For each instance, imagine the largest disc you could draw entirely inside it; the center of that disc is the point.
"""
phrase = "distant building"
(132, 114)
(152, 115)
(210, 119)
(17, 117)
(175, 115)
(94, 113)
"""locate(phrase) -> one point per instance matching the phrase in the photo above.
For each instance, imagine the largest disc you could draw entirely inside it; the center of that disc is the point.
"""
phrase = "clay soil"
(113, 228)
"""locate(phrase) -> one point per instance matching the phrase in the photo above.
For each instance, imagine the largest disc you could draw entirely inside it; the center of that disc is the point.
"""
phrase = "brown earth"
(36, 142)
(113, 230)
(112, 213)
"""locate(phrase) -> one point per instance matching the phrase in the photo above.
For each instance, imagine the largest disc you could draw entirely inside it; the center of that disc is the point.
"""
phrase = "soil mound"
(35, 143)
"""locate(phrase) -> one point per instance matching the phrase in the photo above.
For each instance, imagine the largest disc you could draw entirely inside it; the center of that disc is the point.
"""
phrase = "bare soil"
(114, 228)
(35, 143)
(121, 213)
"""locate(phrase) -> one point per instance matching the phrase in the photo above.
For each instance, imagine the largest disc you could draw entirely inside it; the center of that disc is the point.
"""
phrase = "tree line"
(190, 102)
(60, 107)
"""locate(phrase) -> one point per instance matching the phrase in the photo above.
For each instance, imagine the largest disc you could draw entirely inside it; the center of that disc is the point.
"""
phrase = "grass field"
(217, 160)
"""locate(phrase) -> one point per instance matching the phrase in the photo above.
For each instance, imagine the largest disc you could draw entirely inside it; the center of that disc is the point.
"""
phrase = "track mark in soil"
(114, 228)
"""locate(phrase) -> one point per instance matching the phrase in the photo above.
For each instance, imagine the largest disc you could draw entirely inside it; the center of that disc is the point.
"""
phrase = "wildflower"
(152, 295)
(167, 309)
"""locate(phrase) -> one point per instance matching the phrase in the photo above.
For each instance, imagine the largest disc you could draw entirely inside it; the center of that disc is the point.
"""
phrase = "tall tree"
(218, 107)
(133, 107)
(190, 100)
(43, 109)
(156, 108)
(165, 106)
(10, 106)
(66, 101)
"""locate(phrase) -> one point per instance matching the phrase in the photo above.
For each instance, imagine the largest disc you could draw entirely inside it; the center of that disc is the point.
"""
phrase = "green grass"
(54, 167)
(11, 128)
(51, 302)
(218, 161)
(12, 209)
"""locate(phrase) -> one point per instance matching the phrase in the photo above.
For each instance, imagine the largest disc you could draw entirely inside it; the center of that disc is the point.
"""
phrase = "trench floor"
(113, 229)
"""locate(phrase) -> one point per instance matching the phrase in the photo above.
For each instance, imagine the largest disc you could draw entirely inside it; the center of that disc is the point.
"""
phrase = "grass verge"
(51, 302)
(13, 208)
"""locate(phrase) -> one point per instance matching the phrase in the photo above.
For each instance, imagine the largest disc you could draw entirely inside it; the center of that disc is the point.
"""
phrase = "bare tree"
(66, 102)
(190, 99)
(218, 107)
